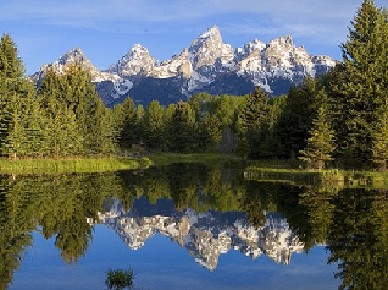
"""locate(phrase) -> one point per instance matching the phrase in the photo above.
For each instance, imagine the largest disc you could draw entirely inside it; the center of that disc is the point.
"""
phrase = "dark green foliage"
(340, 117)
(124, 115)
(320, 146)
(200, 103)
(182, 129)
(253, 124)
(76, 121)
(357, 239)
(353, 223)
(210, 131)
(154, 126)
(380, 142)
(361, 86)
(119, 279)
(294, 124)
(16, 104)
(66, 118)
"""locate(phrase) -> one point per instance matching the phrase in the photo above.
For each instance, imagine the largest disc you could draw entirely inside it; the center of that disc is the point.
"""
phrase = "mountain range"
(207, 65)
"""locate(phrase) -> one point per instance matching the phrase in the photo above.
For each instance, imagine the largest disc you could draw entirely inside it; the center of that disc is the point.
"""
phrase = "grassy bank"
(47, 166)
(67, 165)
(347, 178)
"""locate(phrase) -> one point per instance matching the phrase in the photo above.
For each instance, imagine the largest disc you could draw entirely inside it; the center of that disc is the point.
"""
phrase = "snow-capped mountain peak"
(207, 65)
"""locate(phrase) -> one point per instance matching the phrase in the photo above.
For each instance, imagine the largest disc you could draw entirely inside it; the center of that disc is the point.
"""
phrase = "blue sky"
(106, 29)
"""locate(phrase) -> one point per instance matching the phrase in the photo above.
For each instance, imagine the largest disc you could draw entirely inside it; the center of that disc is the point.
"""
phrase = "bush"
(119, 279)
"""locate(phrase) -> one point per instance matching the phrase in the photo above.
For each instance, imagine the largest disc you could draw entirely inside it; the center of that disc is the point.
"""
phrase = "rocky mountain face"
(204, 235)
(208, 65)
(75, 56)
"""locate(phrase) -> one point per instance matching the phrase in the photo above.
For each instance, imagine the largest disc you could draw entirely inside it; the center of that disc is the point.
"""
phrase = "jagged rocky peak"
(208, 47)
(283, 41)
(75, 55)
(324, 60)
(208, 65)
(138, 60)
(212, 33)
(71, 57)
(179, 65)
(255, 45)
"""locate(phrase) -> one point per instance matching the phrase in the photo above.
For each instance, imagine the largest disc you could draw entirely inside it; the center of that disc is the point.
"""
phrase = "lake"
(190, 227)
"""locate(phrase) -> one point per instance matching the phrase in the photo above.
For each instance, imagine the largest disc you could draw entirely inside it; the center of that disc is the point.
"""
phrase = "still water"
(190, 227)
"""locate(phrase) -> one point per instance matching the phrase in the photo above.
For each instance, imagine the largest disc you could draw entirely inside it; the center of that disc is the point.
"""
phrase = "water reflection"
(206, 211)
(205, 235)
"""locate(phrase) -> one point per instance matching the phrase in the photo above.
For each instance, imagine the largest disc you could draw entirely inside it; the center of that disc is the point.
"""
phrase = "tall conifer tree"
(16, 99)
(362, 88)
(252, 120)
(320, 145)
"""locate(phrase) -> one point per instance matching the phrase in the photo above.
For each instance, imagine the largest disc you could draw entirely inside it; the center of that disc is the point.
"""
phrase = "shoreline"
(71, 165)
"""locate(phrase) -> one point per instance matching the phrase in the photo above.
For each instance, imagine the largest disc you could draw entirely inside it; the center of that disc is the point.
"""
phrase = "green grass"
(342, 178)
(210, 159)
(47, 166)
(68, 165)
(280, 164)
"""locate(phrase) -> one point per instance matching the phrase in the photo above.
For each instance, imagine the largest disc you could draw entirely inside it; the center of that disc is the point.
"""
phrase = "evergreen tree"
(63, 134)
(16, 100)
(108, 133)
(362, 87)
(199, 103)
(320, 145)
(182, 129)
(124, 114)
(295, 121)
(252, 122)
(380, 132)
(82, 99)
(138, 123)
(210, 131)
(154, 125)
(169, 112)
(380, 142)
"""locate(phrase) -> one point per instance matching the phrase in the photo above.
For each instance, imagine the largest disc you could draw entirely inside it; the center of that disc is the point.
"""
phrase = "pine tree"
(210, 131)
(252, 120)
(380, 132)
(16, 98)
(295, 121)
(380, 142)
(124, 114)
(154, 125)
(138, 124)
(182, 130)
(362, 86)
(82, 99)
(320, 145)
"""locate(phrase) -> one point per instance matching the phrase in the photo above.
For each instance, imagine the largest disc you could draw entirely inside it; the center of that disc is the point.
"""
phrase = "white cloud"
(173, 10)
(299, 17)
(311, 21)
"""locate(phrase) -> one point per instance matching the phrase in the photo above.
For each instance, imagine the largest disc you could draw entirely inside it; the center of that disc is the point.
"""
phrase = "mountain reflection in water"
(205, 235)
(207, 211)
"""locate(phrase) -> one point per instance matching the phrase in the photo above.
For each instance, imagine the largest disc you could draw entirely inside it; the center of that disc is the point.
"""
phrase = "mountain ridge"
(204, 66)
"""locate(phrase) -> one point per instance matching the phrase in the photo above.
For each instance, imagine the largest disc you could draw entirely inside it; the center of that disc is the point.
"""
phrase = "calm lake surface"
(190, 227)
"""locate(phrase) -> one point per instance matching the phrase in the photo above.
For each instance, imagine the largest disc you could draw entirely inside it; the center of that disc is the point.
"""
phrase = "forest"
(339, 120)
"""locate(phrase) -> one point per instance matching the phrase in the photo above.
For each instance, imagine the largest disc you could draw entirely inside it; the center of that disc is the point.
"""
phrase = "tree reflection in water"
(229, 211)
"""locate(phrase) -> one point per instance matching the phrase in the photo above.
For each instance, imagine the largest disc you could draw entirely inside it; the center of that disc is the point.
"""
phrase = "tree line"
(339, 119)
